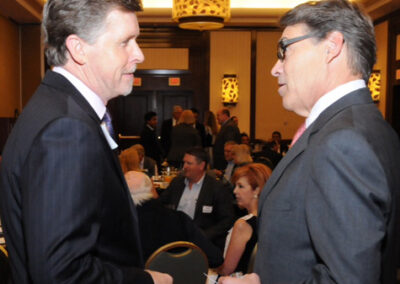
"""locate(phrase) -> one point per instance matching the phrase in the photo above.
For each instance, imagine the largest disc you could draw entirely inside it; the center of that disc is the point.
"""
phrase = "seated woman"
(249, 181)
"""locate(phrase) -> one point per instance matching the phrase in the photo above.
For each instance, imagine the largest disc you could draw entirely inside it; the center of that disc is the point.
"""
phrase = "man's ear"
(334, 45)
(75, 46)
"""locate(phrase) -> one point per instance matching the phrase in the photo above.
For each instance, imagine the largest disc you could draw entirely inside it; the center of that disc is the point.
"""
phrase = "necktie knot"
(108, 122)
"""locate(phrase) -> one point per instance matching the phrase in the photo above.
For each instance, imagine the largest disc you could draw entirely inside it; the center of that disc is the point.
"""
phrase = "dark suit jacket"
(215, 224)
(202, 132)
(166, 129)
(65, 207)
(159, 226)
(148, 164)
(183, 137)
(152, 147)
(328, 213)
(228, 132)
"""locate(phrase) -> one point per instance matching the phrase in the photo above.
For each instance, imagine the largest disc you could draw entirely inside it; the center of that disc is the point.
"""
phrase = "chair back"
(5, 273)
(250, 267)
(184, 261)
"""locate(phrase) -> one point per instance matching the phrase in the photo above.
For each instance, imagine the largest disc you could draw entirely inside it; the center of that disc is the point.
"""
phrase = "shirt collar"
(200, 182)
(331, 97)
(91, 97)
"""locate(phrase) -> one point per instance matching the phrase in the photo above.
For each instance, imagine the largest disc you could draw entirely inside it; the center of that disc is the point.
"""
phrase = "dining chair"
(184, 261)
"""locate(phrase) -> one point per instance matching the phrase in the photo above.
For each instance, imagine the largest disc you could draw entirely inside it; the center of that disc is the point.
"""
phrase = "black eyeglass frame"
(284, 43)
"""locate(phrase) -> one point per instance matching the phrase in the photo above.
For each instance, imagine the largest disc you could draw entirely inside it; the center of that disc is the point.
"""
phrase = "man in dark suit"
(65, 206)
(159, 226)
(166, 128)
(228, 132)
(199, 126)
(201, 197)
(149, 139)
(329, 211)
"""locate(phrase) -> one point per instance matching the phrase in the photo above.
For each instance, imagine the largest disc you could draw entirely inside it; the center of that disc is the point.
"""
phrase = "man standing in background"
(65, 206)
(167, 126)
(228, 132)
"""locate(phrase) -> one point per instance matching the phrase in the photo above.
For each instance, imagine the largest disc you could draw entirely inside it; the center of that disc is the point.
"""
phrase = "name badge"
(207, 209)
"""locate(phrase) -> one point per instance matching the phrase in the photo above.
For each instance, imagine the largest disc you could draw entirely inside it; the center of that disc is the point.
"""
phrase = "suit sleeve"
(346, 208)
(223, 206)
(61, 208)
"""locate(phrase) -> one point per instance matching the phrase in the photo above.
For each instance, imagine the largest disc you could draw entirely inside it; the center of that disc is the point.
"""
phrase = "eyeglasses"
(284, 43)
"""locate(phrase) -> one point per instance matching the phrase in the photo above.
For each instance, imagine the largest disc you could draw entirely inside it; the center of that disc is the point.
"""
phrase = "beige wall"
(32, 59)
(10, 90)
(381, 34)
(398, 47)
(230, 53)
(165, 58)
(270, 114)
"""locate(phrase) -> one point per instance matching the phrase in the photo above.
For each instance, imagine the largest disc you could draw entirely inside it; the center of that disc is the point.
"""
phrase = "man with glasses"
(328, 213)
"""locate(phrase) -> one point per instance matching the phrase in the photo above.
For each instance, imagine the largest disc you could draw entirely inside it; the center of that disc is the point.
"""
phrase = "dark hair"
(323, 17)
(244, 134)
(85, 18)
(149, 115)
(194, 110)
(226, 112)
(277, 133)
(200, 154)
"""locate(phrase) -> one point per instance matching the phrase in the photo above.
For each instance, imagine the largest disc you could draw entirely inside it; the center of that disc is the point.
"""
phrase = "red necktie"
(298, 133)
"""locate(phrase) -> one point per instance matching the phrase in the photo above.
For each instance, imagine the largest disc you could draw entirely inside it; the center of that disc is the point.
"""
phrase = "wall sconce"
(374, 85)
(201, 14)
(230, 89)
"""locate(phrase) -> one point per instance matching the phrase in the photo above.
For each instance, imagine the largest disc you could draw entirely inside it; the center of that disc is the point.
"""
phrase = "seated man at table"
(146, 164)
(201, 197)
(159, 226)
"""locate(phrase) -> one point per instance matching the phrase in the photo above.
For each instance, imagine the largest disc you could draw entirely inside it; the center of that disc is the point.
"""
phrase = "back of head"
(149, 115)
(140, 186)
(84, 18)
(129, 159)
(323, 17)
(256, 174)
(187, 117)
(241, 153)
(139, 149)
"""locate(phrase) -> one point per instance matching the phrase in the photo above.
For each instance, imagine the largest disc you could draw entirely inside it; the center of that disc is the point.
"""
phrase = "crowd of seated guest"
(200, 205)
(159, 225)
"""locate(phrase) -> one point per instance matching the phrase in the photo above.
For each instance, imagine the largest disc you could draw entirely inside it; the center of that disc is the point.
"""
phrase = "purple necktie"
(107, 120)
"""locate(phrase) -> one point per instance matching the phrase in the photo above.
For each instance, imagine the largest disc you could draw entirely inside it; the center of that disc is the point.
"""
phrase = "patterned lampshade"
(374, 85)
(230, 89)
(201, 14)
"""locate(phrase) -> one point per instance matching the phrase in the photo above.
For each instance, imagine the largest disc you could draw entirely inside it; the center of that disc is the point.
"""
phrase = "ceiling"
(29, 11)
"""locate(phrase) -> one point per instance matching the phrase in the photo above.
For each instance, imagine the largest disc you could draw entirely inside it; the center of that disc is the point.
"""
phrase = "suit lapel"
(361, 96)
(202, 195)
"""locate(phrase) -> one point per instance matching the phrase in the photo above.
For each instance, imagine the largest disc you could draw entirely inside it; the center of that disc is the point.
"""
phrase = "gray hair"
(323, 17)
(140, 186)
(85, 18)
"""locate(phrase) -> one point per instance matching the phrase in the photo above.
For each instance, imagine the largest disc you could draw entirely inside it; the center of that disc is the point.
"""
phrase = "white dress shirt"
(94, 100)
(331, 97)
(189, 197)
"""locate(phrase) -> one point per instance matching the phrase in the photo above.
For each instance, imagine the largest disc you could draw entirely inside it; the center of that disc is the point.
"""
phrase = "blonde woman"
(129, 160)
